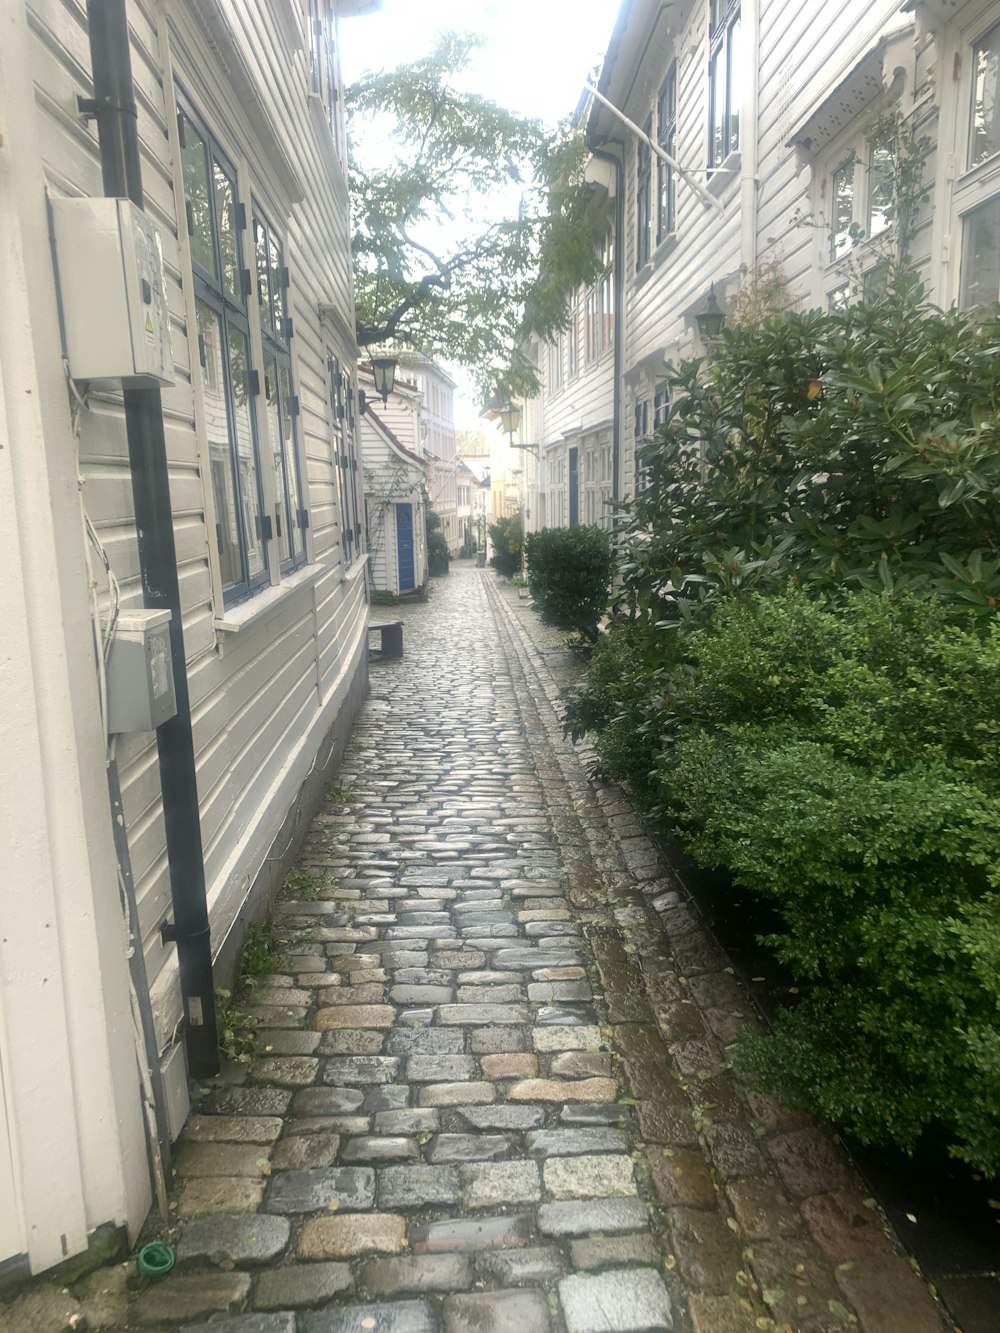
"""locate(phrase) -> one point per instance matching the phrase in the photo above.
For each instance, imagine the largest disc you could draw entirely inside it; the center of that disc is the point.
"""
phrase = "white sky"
(536, 57)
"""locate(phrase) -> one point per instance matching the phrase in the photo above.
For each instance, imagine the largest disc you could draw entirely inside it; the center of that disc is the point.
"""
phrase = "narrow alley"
(491, 1090)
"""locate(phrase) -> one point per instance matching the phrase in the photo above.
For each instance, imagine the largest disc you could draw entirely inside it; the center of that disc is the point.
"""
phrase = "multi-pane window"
(661, 406)
(640, 433)
(573, 336)
(280, 406)
(858, 201)
(984, 128)
(725, 81)
(666, 137)
(976, 200)
(842, 209)
(643, 201)
(555, 365)
(323, 63)
(216, 224)
(599, 309)
(345, 458)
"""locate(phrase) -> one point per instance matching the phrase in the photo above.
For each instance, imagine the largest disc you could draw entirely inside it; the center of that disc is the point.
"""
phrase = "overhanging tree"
(473, 228)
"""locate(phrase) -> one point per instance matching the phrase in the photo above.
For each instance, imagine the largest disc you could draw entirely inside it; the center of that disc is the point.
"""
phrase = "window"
(661, 406)
(555, 365)
(856, 193)
(666, 136)
(323, 68)
(280, 404)
(643, 171)
(977, 201)
(345, 457)
(573, 336)
(216, 223)
(641, 431)
(725, 86)
(599, 312)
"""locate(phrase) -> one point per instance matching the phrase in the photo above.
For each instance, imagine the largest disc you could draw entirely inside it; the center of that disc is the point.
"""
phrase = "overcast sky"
(536, 56)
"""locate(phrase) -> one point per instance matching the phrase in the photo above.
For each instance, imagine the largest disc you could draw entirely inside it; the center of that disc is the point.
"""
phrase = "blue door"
(404, 546)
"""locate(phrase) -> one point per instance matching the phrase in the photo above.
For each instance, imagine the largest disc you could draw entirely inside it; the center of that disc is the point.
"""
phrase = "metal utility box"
(113, 292)
(140, 673)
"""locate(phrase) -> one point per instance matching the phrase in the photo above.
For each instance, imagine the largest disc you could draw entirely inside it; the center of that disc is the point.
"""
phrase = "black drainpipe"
(114, 108)
(619, 281)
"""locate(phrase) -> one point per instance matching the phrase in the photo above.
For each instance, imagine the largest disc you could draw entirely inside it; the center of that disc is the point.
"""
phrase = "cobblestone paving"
(492, 1090)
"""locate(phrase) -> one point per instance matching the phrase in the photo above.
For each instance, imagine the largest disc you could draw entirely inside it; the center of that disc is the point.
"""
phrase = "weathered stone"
(361, 1070)
(45, 1308)
(595, 1177)
(393, 1317)
(580, 1219)
(581, 1064)
(190, 1295)
(288, 1042)
(416, 1186)
(351, 1041)
(288, 1071)
(416, 1273)
(489, 1183)
(842, 1225)
(469, 1147)
(721, 1314)
(509, 1066)
(220, 1194)
(498, 1040)
(345, 1237)
(509, 994)
(327, 1101)
(681, 1177)
(573, 1142)
(708, 1256)
(222, 1159)
(282, 1322)
(520, 1266)
(410, 1120)
(616, 1114)
(501, 1117)
(389, 1097)
(305, 1150)
(300, 1284)
(455, 1094)
(735, 1153)
(613, 1251)
(232, 1129)
(440, 1068)
(626, 1301)
(468, 1015)
(349, 1188)
(669, 1122)
(512, 1311)
(888, 1295)
(552, 1090)
(245, 1238)
(381, 1148)
(810, 1163)
(425, 1041)
(471, 1233)
(355, 1016)
(763, 1211)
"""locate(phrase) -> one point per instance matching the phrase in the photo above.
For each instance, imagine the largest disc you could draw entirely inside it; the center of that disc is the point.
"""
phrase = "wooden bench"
(390, 634)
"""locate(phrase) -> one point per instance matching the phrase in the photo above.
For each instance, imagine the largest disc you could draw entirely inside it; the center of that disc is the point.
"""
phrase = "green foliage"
(304, 884)
(337, 794)
(569, 574)
(382, 597)
(237, 1028)
(507, 537)
(473, 229)
(259, 953)
(854, 449)
(438, 559)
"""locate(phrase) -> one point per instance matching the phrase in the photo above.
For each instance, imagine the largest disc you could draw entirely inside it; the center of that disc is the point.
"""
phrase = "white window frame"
(843, 276)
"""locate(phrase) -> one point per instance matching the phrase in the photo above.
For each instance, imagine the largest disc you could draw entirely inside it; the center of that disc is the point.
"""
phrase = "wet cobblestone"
(492, 1090)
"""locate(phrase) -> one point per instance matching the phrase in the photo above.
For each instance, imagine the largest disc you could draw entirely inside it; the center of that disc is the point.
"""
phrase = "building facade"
(241, 152)
(779, 119)
(396, 488)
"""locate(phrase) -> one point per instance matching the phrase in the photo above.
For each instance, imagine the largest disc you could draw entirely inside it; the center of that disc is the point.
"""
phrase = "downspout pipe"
(619, 286)
(117, 122)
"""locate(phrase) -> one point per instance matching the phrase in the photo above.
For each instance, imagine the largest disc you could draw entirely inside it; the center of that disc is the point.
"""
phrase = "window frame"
(724, 23)
(346, 459)
(666, 137)
(643, 196)
(233, 311)
(976, 186)
(845, 262)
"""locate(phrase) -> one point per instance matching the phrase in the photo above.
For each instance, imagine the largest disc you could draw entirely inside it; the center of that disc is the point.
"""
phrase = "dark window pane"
(842, 210)
(194, 168)
(219, 450)
(296, 537)
(229, 250)
(879, 188)
(981, 255)
(277, 290)
(263, 276)
(985, 134)
(272, 408)
(246, 453)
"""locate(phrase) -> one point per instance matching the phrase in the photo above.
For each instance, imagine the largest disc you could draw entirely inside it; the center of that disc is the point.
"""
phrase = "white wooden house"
(438, 417)
(768, 110)
(396, 487)
(241, 152)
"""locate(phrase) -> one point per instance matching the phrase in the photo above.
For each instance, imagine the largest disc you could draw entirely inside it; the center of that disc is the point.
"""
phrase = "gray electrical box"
(140, 673)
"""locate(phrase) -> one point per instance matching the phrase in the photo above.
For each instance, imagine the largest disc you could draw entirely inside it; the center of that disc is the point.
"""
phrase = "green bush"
(507, 537)
(569, 574)
(844, 763)
(438, 559)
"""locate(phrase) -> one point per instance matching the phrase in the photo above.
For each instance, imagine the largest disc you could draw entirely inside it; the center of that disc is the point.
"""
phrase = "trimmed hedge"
(569, 574)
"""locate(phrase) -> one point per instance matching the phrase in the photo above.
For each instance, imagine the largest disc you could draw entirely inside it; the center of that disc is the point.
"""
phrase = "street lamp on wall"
(710, 318)
(510, 419)
(384, 375)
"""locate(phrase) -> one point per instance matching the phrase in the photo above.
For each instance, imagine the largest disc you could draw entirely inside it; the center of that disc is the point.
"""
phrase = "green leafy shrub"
(844, 763)
(438, 559)
(507, 537)
(569, 574)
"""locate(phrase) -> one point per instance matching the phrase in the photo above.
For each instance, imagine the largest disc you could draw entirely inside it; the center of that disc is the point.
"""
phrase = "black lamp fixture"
(710, 318)
(384, 374)
(510, 419)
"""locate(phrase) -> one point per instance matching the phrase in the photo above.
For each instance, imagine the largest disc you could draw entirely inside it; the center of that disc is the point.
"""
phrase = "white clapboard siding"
(264, 698)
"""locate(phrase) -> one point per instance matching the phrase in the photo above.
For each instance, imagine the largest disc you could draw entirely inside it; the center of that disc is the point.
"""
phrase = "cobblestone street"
(491, 1093)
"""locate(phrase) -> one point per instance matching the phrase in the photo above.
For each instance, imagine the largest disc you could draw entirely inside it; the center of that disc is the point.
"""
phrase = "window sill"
(356, 569)
(725, 174)
(258, 609)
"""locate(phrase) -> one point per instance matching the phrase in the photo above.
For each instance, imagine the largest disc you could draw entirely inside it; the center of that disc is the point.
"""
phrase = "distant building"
(396, 484)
